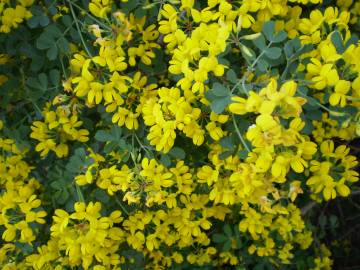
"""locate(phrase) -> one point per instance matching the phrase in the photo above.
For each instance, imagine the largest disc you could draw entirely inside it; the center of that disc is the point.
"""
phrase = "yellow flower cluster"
(4, 59)
(21, 213)
(101, 79)
(277, 149)
(199, 45)
(110, 179)
(168, 112)
(286, 222)
(59, 127)
(323, 261)
(332, 171)
(81, 238)
(328, 128)
(12, 16)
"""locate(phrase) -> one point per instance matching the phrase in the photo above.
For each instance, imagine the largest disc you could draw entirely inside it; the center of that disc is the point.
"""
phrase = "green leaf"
(227, 230)
(338, 42)
(312, 101)
(66, 20)
(273, 52)
(38, 18)
(39, 83)
(53, 31)
(260, 266)
(219, 96)
(63, 196)
(268, 30)
(47, 40)
(43, 81)
(116, 132)
(165, 159)
(149, 6)
(225, 155)
(303, 49)
(219, 238)
(262, 65)
(231, 76)
(334, 222)
(78, 161)
(227, 245)
(219, 105)
(103, 136)
(37, 63)
(227, 142)
(52, 53)
(33, 22)
(323, 221)
(308, 128)
(63, 45)
(110, 147)
(260, 43)
(44, 21)
(52, 10)
(352, 40)
(129, 6)
(101, 196)
(177, 152)
(243, 154)
(44, 42)
(54, 77)
(33, 82)
(27, 49)
(223, 61)
(140, 12)
(279, 37)
(220, 90)
(293, 48)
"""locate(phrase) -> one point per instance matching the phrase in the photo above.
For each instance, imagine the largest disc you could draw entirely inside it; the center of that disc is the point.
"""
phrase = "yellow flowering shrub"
(179, 134)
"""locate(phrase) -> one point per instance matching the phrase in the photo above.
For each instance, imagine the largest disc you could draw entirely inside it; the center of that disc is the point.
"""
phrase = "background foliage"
(179, 134)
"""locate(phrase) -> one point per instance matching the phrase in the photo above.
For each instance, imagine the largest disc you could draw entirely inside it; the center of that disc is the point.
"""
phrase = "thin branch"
(93, 18)
(249, 70)
(240, 136)
(312, 204)
(78, 28)
(121, 205)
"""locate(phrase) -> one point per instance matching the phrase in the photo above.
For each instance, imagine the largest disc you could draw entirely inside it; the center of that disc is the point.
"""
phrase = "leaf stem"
(78, 28)
(121, 206)
(79, 193)
(239, 134)
(93, 18)
(249, 69)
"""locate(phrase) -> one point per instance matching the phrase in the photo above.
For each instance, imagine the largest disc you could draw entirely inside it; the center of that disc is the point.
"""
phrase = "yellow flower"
(113, 180)
(9, 234)
(95, 93)
(86, 236)
(266, 131)
(342, 87)
(280, 167)
(322, 75)
(238, 107)
(100, 8)
(295, 189)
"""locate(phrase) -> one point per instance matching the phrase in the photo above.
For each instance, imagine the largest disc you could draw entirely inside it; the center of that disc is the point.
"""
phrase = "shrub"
(176, 134)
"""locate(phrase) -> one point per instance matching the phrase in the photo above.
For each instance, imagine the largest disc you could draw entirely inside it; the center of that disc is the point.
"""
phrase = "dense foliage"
(176, 134)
